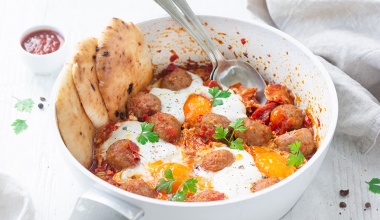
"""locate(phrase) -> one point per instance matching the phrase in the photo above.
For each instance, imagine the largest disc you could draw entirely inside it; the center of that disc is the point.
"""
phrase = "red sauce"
(42, 42)
(174, 56)
(243, 41)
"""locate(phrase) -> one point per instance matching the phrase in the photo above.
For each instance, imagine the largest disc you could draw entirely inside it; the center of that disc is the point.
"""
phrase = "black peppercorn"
(342, 205)
(344, 192)
(41, 106)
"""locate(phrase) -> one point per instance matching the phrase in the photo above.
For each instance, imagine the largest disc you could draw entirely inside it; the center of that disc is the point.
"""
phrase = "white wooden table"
(33, 159)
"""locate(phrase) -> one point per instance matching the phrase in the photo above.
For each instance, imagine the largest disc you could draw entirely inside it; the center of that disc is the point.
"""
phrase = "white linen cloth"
(346, 37)
(15, 201)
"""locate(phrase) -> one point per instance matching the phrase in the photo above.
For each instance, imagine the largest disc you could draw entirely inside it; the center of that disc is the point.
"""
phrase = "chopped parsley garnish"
(24, 105)
(185, 187)
(217, 94)
(374, 185)
(147, 134)
(295, 158)
(19, 126)
(221, 134)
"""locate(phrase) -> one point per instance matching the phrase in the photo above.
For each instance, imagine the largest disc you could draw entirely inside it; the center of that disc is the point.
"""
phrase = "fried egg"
(172, 101)
(152, 155)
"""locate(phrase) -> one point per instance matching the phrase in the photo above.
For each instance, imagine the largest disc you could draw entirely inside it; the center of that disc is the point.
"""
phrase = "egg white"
(234, 180)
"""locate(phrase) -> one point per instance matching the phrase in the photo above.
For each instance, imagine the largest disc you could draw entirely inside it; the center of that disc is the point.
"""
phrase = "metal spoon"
(225, 72)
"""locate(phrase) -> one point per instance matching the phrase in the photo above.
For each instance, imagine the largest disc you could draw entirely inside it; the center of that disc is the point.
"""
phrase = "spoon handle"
(182, 13)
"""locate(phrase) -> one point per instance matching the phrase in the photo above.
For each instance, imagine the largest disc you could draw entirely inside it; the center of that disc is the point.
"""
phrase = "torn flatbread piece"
(123, 65)
(77, 130)
(86, 81)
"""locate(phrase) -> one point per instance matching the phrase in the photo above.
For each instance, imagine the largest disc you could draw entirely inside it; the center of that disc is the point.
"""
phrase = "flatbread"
(86, 81)
(123, 65)
(77, 130)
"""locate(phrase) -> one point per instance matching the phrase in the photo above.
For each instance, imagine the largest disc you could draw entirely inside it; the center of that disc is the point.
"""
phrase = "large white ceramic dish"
(279, 58)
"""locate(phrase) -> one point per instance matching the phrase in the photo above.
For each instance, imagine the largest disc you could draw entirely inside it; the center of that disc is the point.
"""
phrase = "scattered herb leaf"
(124, 128)
(19, 126)
(295, 158)
(24, 105)
(186, 186)
(221, 133)
(374, 185)
(217, 94)
(147, 134)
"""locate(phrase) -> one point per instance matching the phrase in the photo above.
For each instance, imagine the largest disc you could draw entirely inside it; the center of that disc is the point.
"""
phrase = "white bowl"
(45, 64)
(279, 58)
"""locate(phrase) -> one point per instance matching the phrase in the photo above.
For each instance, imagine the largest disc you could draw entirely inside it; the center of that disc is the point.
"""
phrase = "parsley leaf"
(374, 185)
(221, 134)
(237, 144)
(296, 158)
(19, 126)
(217, 93)
(186, 186)
(147, 134)
(25, 105)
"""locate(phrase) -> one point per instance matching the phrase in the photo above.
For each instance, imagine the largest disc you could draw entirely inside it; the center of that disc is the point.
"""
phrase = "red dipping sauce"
(42, 42)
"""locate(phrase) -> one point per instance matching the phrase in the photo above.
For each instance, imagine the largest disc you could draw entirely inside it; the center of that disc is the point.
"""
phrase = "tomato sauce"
(42, 42)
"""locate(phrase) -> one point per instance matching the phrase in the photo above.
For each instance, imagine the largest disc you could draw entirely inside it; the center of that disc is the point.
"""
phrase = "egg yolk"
(204, 183)
(271, 163)
(180, 172)
(195, 106)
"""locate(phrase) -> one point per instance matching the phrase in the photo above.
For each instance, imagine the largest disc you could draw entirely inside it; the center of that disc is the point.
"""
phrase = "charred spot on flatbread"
(76, 129)
(123, 65)
(86, 81)
(130, 87)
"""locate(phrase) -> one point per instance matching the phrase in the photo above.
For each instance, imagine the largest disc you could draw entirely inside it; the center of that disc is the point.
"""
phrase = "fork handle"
(180, 11)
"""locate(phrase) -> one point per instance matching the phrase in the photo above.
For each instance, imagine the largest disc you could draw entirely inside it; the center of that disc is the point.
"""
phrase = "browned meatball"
(217, 160)
(285, 118)
(205, 128)
(302, 135)
(166, 126)
(139, 187)
(207, 196)
(123, 154)
(143, 105)
(256, 133)
(264, 183)
(176, 80)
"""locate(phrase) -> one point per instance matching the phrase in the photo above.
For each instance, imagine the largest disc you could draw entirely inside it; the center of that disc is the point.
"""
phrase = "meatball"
(176, 80)
(143, 104)
(264, 183)
(166, 126)
(217, 160)
(256, 133)
(285, 118)
(302, 135)
(139, 187)
(205, 128)
(207, 196)
(123, 154)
